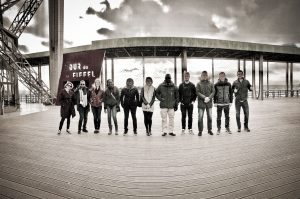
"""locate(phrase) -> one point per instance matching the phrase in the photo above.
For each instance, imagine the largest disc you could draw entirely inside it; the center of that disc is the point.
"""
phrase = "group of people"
(169, 96)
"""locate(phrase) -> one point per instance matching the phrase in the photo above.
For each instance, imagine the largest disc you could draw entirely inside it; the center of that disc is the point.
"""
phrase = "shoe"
(172, 134)
(68, 131)
(84, 130)
(79, 131)
(200, 134)
(247, 129)
(210, 133)
(58, 132)
(191, 132)
(134, 132)
(182, 131)
(164, 134)
(228, 130)
(125, 133)
(218, 131)
(110, 132)
(239, 130)
(116, 133)
(96, 131)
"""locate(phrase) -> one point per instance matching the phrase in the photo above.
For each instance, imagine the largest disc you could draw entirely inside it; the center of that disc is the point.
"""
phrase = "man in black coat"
(83, 106)
(187, 97)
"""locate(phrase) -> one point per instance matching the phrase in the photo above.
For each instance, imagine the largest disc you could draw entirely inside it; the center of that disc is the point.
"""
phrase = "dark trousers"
(132, 109)
(189, 109)
(112, 113)
(200, 118)
(97, 116)
(62, 122)
(148, 119)
(219, 115)
(245, 108)
(83, 113)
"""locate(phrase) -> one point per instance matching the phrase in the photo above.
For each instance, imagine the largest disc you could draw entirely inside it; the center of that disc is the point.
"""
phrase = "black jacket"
(187, 93)
(223, 92)
(66, 101)
(111, 97)
(77, 94)
(129, 97)
(242, 89)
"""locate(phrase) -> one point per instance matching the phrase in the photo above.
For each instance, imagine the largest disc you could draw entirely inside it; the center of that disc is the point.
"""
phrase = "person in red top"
(96, 99)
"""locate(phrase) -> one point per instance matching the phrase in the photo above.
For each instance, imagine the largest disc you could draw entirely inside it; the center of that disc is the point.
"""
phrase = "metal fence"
(281, 93)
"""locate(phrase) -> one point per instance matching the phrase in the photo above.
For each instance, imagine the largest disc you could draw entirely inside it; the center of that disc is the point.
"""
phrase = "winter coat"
(111, 97)
(148, 97)
(77, 94)
(223, 93)
(66, 101)
(168, 95)
(187, 93)
(129, 97)
(96, 97)
(242, 89)
(205, 89)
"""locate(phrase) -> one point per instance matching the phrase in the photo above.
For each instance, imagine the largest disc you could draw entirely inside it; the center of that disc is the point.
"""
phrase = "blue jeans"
(112, 112)
(200, 118)
(245, 108)
(97, 116)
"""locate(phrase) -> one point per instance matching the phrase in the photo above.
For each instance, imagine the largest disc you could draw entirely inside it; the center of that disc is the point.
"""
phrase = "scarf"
(83, 98)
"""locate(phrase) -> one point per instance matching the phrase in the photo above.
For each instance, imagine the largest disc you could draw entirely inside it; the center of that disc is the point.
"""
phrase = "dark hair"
(149, 78)
(204, 72)
(129, 79)
(222, 73)
(187, 73)
(168, 76)
(108, 81)
(240, 71)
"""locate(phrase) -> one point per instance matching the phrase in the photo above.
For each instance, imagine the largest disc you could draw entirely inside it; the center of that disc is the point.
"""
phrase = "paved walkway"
(37, 163)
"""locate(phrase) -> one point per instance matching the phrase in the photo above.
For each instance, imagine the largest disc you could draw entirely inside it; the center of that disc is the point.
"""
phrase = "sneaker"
(247, 129)
(109, 133)
(84, 130)
(239, 130)
(172, 134)
(79, 131)
(96, 131)
(164, 134)
(191, 132)
(200, 134)
(58, 132)
(218, 131)
(183, 131)
(68, 131)
(228, 130)
(210, 133)
(125, 133)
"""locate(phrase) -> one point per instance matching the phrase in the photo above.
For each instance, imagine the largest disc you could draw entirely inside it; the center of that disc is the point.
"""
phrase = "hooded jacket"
(168, 95)
(223, 93)
(205, 89)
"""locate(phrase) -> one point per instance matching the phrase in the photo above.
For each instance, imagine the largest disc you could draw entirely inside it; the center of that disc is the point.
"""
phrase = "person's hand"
(193, 102)
(105, 110)
(235, 90)
(147, 106)
(206, 99)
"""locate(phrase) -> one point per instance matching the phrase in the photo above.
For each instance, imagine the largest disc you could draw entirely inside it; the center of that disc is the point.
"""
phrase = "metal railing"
(281, 93)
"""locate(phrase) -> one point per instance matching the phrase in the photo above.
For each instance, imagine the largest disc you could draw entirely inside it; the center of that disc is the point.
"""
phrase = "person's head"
(168, 78)
(204, 75)
(110, 83)
(82, 84)
(68, 86)
(129, 82)
(149, 81)
(222, 76)
(240, 74)
(97, 83)
(186, 76)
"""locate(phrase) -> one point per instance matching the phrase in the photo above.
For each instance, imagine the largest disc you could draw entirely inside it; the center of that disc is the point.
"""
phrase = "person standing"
(83, 106)
(111, 104)
(240, 88)
(148, 98)
(167, 94)
(187, 97)
(205, 92)
(66, 100)
(129, 100)
(96, 100)
(223, 101)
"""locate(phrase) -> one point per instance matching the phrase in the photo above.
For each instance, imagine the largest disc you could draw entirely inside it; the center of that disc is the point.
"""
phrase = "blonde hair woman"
(96, 100)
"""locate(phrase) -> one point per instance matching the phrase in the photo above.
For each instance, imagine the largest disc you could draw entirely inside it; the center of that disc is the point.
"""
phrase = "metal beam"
(287, 79)
(184, 64)
(8, 4)
(175, 71)
(292, 80)
(261, 77)
(253, 79)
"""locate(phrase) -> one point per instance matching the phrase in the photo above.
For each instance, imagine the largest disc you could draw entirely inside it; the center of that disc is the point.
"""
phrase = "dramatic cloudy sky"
(263, 21)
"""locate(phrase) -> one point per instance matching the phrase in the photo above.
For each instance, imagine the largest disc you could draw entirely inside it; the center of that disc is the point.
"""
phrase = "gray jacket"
(242, 89)
(205, 89)
(168, 95)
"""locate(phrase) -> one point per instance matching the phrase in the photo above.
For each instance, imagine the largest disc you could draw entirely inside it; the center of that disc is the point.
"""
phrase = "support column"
(287, 80)
(143, 61)
(105, 71)
(261, 77)
(56, 37)
(1, 99)
(292, 79)
(268, 78)
(40, 80)
(175, 71)
(239, 65)
(16, 87)
(184, 64)
(244, 68)
(112, 70)
(213, 70)
(253, 79)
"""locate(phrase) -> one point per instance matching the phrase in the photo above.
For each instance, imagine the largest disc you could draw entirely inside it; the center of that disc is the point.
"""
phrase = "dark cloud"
(130, 70)
(68, 42)
(105, 31)
(23, 48)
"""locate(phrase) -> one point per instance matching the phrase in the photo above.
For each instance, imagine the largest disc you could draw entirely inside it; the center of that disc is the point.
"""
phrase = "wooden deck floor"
(265, 163)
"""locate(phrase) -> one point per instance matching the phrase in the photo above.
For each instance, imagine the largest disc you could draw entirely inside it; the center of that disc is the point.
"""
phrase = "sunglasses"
(82, 84)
